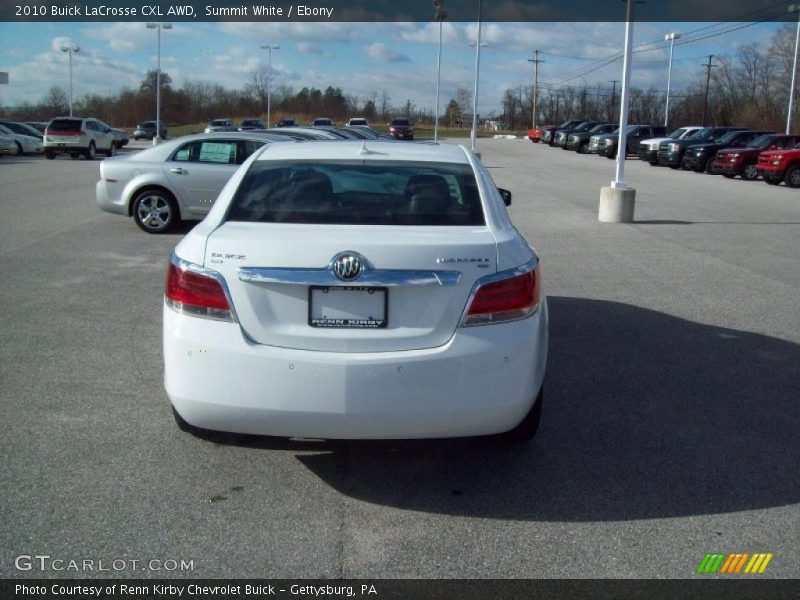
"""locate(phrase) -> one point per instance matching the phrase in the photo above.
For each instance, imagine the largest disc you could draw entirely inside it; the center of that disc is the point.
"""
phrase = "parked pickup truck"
(560, 138)
(731, 162)
(633, 135)
(580, 141)
(670, 152)
(780, 165)
(535, 134)
(700, 157)
(548, 133)
(648, 149)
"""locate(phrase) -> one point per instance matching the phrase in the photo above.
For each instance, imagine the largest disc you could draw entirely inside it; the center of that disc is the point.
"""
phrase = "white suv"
(76, 136)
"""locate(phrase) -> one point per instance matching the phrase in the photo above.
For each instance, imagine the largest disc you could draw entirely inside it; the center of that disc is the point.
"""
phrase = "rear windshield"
(400, 122)
(147, 124)
(249, 122)
(65, 125)
(358, 121)
(347, 193)
(219, 122)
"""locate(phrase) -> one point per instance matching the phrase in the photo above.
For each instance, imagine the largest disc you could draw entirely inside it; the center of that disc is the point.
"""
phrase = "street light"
(474, 132)
(73, 49)
(269, 47)
(441, 15)
(792, 9)
(671, 37)
(158, 27)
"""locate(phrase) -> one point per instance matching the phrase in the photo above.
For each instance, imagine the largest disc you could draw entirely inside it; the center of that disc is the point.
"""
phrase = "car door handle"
(177, 170)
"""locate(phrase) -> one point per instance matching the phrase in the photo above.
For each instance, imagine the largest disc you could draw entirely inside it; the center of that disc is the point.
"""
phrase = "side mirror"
(505, 195)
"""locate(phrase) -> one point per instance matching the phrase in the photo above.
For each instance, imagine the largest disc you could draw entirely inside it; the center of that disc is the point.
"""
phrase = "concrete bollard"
(616, 205)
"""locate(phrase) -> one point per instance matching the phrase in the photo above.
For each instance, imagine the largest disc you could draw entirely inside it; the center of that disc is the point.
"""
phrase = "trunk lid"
(417, 316)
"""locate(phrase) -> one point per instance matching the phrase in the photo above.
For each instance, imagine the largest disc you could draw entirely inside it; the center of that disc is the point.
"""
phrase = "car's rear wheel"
(583, 148)
(750, 171)
(527, 428)
(155, 211)
(91, 151)
(793, 176)
(19, 149)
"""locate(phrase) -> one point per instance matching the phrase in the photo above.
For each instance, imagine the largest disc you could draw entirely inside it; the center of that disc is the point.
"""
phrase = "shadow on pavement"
(671, 222)
(646, 415)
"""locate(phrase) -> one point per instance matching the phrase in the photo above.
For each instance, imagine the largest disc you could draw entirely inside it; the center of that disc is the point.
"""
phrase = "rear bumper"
(483, 381)
(106, 202)
(65, 147)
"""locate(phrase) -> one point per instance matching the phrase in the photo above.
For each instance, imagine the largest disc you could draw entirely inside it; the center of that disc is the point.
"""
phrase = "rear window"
(65, 125)
(400, 122)
(347, 193)
(219, 122)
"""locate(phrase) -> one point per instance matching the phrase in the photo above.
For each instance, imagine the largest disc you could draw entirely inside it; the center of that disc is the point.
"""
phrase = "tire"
(772, 180)
(535, 141)
(155, 211)
(675, 167)
(50, 155)
(611, 155)
(19, 149)
(793, 176)
(91, 151)
(583, 148)
(749, 171)
(527, 428)
(709, 166)
(112, 151)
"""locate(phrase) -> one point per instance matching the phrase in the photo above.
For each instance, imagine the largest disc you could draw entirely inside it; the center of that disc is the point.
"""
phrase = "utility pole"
(441, 15)
(535, 62)
(670, 37)
(613, 97)
(557, 99)
(708, 67)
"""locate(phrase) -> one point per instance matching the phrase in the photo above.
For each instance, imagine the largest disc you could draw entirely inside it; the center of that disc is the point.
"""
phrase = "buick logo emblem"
(348, 266)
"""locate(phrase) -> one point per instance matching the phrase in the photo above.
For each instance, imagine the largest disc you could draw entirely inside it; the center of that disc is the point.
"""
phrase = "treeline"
(750, 88)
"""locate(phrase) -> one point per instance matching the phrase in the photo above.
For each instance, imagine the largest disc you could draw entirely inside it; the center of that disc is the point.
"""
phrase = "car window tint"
(184, 153)
(248, 147)
(352, 193)
(217, 152)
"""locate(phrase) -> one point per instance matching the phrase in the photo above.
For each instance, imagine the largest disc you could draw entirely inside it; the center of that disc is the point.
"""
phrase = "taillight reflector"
(505, 300)
(195, 293)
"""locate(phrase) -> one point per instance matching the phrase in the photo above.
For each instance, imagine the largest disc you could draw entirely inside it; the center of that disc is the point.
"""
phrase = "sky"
(358, 57)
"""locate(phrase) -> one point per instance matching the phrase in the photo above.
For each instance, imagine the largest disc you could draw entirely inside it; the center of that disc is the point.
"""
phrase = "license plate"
(348, 307)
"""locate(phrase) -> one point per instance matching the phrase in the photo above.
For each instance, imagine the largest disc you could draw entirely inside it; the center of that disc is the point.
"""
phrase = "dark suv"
(670, 152)
(147, 130)
(633, 135)
(579, 140)
(401, 129)
(700, 156)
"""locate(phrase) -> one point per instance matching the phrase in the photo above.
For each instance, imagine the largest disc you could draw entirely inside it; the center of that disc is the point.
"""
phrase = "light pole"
(618, 199)
(269, 47)
(441, 15)
(474, 132)
(535, 90)
(793, 8)
(73, 49)
(671, 36)
(158, 27)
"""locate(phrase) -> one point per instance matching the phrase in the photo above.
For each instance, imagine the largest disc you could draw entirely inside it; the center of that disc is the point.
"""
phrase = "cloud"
(309, 48)
(62, 42)
(382, 52)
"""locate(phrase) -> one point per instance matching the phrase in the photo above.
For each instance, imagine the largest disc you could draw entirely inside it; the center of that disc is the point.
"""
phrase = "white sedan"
(356, 290)
(23, 144)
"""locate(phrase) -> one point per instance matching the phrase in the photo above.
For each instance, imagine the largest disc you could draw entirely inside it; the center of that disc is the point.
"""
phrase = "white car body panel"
(425, 375)
(653, 143)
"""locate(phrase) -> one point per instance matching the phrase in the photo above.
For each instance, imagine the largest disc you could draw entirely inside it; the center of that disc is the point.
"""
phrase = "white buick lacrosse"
(357, 290)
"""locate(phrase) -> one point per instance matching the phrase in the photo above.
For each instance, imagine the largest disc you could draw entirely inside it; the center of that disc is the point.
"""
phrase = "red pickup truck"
(731, 162)
(780, 165)
(535, 134)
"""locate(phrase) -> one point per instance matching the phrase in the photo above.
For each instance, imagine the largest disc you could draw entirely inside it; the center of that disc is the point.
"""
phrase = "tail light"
(195, 293)
(508, 299)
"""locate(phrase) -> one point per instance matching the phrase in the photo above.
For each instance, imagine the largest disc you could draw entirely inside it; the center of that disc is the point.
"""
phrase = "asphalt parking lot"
(669, 428)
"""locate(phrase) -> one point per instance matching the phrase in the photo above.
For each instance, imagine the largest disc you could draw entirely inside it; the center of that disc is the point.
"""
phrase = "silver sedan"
(23, 144)
(177, 180)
